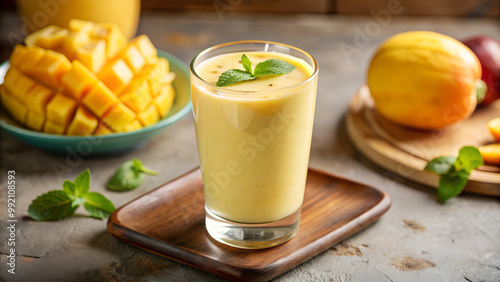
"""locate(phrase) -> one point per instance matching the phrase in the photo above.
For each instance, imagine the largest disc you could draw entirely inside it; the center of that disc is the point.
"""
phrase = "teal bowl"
(109, 144)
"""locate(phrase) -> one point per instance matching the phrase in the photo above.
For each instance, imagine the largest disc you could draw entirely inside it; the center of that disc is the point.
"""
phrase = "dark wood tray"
(169, 221)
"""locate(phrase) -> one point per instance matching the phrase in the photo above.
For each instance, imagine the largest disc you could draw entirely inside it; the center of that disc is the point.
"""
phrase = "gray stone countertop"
(418, 239)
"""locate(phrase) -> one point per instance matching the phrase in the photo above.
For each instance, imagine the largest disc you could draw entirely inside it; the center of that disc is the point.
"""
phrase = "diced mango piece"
(133, 58)
(115, 39)
(13, 105)
(490, 153)
(51, 37)
(51, 127)
(146, 47)
(78, 80)
(92, 54)
(116, 75)
(38, 97)
(72, 42)
(149, 116)
(166, 79)
(17, 55)
(155, 85)
(118, 117)
(84, 123)
(30, 58)
(99, 99)
(160, 76)
(61, 109)
(81, 26)
(102, 129)
(50, 69)
(34, 121)
(138, 95)
(162, 66)
(165, 100)
(21, 86)
(10, 78)
(133, 125)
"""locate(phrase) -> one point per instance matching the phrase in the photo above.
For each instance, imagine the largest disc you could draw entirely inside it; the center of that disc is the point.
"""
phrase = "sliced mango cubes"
(494, 127)
(86, 80)
(490, 153)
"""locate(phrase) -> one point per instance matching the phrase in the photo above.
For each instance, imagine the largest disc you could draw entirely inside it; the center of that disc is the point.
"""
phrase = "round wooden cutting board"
(406, 152)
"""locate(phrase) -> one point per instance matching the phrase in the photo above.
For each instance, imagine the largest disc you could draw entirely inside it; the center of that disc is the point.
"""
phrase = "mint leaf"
(98, 206)
(452, 184)
(441, 165)
(273, 67)
(454, 171)
(53, 205)
(233, 76)
(129, 175)
(468, 159)
(82, 183)
(69, 188)
(246, 63)
(75, 190)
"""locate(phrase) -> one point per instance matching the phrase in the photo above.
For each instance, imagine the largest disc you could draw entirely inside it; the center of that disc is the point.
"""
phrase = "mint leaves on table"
(454, 171)
(59, 204)
(129, 175)
(266, 68)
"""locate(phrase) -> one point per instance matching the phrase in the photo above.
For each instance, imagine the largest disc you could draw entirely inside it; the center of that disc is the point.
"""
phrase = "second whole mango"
(424, 80)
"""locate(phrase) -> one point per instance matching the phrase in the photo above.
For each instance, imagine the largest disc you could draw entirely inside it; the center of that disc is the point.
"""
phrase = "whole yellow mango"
(424, 80)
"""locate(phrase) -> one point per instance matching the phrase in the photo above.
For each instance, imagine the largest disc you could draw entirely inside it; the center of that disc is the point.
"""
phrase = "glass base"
(252, 235)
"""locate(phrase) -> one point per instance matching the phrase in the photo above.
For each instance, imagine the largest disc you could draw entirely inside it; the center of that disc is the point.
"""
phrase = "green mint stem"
(149, 171)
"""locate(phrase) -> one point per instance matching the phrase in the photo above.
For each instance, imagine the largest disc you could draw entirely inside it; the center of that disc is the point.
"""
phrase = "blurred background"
(420, 7)
(34, 14)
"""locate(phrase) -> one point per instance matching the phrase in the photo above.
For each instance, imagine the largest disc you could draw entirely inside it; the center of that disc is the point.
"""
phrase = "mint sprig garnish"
(129, 175)
(267, 68)
(59, 204)
(454, 171)
(53, 205)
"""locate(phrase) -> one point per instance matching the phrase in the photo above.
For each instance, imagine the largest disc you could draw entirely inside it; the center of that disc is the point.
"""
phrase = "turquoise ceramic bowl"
(109, 144)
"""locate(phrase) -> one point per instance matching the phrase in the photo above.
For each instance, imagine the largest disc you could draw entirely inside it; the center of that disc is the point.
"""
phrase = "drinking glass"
(253, 148)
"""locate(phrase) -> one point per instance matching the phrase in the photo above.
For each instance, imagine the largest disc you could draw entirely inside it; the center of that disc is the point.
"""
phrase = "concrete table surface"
(418, 239)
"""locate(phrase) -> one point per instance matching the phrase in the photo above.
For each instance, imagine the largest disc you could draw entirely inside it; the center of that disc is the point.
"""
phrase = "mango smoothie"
(254, 137)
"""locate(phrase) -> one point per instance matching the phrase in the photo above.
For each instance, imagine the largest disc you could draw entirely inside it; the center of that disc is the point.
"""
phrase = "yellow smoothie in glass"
(254, 137)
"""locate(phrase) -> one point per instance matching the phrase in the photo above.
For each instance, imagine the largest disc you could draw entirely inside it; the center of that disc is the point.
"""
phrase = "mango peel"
(86, 80)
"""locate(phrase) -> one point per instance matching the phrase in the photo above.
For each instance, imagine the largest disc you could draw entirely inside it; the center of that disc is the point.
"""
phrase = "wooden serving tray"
(170, 221)
(406, 152)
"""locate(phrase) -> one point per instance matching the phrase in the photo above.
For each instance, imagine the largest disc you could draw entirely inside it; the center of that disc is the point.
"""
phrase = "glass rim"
(240, 92)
